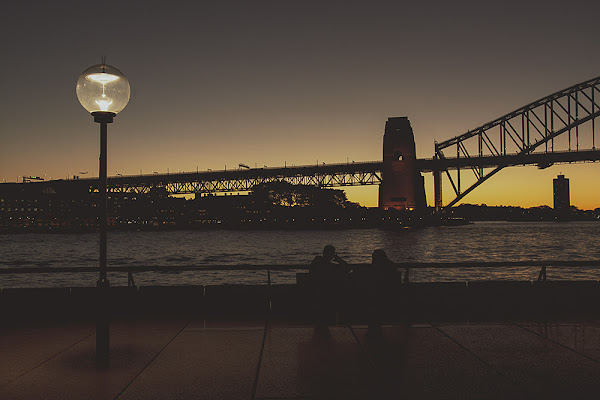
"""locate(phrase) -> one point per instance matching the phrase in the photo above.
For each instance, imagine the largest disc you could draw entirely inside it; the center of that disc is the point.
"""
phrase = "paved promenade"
(234, 359)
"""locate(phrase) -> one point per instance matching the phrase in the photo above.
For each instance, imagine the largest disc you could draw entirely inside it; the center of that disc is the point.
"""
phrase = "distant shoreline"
(273, 227)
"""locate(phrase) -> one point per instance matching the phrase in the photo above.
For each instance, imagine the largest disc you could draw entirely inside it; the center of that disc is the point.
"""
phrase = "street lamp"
(103, 90)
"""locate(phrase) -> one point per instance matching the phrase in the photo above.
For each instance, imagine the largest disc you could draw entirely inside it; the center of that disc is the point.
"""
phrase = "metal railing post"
(542, 275)
(269, 289)
(130, 281)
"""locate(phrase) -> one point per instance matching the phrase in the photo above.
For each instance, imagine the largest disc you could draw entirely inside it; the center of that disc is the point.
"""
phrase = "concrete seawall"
(429, 301)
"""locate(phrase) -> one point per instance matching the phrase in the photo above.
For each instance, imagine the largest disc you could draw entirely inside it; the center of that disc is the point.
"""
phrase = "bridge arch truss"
(560, 127)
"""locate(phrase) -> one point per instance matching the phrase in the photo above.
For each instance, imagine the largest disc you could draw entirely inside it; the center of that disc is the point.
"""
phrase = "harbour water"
(478, 242)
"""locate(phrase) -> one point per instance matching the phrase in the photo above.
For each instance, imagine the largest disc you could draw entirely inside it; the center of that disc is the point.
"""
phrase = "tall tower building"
(402, 186)
(562, 197)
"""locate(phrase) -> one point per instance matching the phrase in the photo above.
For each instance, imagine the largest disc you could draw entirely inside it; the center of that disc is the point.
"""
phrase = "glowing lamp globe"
(103, 89)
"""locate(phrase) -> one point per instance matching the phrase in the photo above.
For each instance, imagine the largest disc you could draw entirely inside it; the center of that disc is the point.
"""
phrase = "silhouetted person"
(329, 278)
(380, 279)
(329, 265)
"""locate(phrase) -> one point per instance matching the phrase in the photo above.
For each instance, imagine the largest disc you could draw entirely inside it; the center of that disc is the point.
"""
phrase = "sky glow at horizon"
(282, 82)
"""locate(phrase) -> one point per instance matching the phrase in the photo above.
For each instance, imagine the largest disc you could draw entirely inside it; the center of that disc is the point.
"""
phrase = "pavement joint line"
(287, 398)
(48, 359)
(496, 370)
(224, 329)
(262, 349)
(363, 349)
(468, 323)
(558, 343)
(153, 358)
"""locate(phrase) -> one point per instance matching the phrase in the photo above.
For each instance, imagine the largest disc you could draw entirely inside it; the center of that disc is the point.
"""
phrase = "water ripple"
(482, 241)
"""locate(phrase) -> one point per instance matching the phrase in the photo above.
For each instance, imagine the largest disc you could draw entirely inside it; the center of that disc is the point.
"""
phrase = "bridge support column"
(437, 187)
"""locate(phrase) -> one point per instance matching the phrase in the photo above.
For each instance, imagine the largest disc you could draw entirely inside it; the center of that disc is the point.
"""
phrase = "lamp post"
(102, 90)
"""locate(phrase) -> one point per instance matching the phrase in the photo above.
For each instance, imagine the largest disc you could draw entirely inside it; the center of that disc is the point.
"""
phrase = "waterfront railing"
(536, 298)
(407, 267)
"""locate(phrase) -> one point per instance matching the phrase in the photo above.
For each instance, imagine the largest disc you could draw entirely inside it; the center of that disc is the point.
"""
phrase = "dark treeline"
(473, 212)
(277, 204)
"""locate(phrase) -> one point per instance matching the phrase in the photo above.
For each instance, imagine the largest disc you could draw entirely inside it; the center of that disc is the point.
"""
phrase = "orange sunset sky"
(274, 82)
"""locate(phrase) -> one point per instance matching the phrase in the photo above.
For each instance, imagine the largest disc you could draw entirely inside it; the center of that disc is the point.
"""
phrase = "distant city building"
(71, 206)
(562, 198)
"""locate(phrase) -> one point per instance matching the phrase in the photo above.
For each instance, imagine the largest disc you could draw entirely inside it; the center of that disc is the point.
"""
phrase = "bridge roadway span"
(326, 175)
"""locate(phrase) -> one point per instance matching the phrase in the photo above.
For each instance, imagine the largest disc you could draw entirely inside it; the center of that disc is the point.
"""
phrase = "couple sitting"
(331, 266)
(331, 276)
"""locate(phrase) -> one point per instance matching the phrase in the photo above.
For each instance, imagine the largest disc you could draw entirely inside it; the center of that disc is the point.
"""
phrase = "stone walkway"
(198, 359)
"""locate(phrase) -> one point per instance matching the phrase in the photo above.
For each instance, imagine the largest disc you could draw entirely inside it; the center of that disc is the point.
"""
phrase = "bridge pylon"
(402, 186)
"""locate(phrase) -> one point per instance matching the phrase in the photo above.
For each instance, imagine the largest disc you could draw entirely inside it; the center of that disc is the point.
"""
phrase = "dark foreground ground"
(180, 358)
(440, 341)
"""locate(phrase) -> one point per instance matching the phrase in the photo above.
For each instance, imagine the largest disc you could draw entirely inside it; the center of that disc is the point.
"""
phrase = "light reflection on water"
(482, 241)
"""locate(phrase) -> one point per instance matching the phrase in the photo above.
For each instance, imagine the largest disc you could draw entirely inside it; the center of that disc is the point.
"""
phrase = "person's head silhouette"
(328, 253)
(379, 257)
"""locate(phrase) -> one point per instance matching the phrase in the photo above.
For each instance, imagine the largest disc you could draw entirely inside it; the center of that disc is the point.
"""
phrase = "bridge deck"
(326, 175)
(237, 359)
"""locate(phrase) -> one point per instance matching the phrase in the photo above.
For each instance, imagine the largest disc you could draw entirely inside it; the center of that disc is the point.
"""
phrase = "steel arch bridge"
(557, 128)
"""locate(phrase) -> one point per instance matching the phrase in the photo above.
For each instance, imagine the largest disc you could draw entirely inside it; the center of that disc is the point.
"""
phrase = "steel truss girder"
(528, 128)
(332, 175)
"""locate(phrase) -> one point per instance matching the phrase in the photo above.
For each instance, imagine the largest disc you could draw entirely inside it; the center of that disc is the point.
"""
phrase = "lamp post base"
(102, 324)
